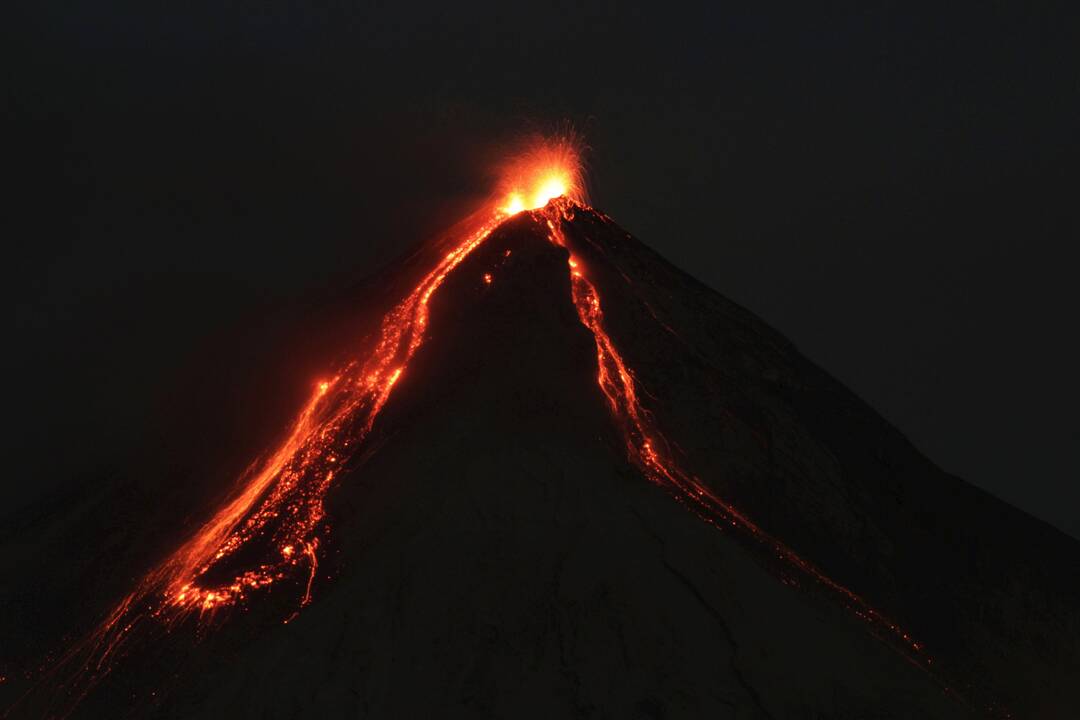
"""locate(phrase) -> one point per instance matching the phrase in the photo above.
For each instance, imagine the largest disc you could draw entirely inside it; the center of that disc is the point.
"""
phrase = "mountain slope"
(991, 590)
(493, 551)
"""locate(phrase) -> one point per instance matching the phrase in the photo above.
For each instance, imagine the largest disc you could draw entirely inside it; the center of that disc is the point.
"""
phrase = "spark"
(551, 187)
(546, 170)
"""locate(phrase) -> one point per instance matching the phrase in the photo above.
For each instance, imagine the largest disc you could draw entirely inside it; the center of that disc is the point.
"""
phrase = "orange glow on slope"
(271, 526)
(283, 499)
(276, 516)
(650, 451)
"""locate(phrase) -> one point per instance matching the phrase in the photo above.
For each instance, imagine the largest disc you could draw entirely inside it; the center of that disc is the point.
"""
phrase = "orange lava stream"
(272, 524)
(283, 501)
(275, 518)
(648, 449)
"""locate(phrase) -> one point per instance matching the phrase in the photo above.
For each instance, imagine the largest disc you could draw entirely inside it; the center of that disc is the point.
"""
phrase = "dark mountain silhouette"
(497, 549)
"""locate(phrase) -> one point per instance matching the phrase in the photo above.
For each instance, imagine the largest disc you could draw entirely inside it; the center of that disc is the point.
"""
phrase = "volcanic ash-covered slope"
(992, 593)
(494, 554)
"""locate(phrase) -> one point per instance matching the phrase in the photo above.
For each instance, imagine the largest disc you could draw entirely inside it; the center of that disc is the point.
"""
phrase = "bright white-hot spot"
(514, 204)
(549, 188)
(545, 170)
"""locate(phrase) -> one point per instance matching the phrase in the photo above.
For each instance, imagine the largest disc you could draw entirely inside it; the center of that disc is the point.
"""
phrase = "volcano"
(567, 480)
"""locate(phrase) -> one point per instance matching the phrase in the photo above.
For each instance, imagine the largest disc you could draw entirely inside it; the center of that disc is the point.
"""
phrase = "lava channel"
(649, 450)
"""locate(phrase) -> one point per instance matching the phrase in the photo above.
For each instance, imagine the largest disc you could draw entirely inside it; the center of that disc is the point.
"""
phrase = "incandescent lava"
(270, 532)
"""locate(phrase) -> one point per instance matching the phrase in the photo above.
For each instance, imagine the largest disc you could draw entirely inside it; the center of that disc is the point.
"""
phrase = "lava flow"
(270, 529)
(648, 449)
(277, 514)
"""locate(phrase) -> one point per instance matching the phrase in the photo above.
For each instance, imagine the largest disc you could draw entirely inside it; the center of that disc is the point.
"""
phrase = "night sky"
(892, 188)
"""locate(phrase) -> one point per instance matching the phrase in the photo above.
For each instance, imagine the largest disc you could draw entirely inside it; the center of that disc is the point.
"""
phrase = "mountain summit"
(568, 480)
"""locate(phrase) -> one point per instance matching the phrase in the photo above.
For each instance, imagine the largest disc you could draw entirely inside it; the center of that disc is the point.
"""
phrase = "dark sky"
(892, 188)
